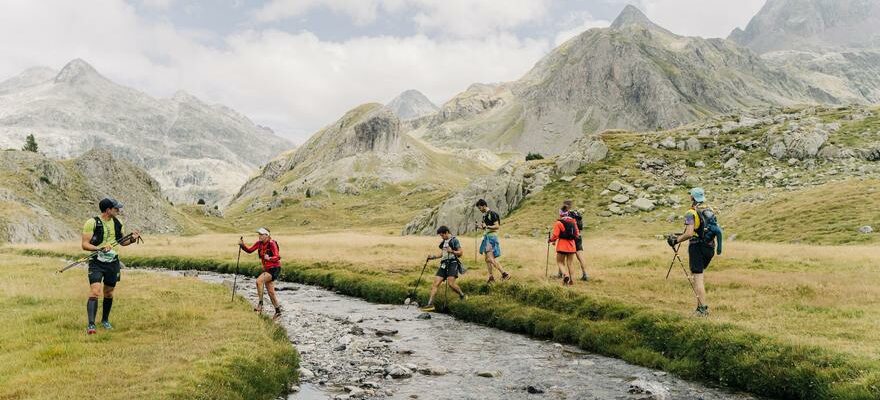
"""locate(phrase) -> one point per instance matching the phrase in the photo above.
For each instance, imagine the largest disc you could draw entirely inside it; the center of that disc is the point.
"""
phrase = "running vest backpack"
(709, 229)
(269, 248)
(570, 229)
(98, 233)
(578, 218)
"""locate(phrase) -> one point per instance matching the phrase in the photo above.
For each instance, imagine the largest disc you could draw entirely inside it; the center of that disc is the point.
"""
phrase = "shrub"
(534, 156)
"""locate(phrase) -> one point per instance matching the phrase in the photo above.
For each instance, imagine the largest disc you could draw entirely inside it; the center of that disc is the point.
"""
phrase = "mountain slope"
(361, 160)
(412, 104)
(633, 75)
(812, 25)
(45, 199)
(194, 150)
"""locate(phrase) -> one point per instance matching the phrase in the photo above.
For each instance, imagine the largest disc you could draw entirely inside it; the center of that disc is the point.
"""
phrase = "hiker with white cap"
(267, 249)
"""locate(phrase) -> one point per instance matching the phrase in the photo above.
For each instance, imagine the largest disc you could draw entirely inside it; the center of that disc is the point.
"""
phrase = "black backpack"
(570, 231)
(98, 233)
(578, 218)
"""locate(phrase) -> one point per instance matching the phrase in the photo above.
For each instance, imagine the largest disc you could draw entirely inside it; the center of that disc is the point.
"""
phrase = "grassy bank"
(759, 338)
(174, 338)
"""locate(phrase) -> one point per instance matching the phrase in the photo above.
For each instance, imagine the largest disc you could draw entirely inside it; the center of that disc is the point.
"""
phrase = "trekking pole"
(92, 254)
(413, 291)
(476, 250)
(547, 262)
(683, 270)
(235, 274)
(446, 295)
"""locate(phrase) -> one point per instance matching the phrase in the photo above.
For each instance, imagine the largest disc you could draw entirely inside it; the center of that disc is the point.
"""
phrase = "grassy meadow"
(174, 338)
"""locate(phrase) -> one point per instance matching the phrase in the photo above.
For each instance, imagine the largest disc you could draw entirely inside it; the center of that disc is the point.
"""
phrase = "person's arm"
(688, 228)
(496, 224)
(86, 238)
(557, 229)
(273, 246)
(456, 250)
(247, 249)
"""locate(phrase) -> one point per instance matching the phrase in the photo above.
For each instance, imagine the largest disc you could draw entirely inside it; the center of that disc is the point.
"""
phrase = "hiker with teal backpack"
(101, 235)
(450, 266)
(705, 239)
(267, 250)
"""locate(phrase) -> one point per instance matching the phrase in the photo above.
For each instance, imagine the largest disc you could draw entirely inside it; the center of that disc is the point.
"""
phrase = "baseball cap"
(699, 194)
(108, 202)
(263, 231)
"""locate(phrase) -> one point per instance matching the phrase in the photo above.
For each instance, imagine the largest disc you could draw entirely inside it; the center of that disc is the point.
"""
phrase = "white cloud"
(158, 4)
(294, 83)
(579, 24)
(453, 18)
(705, 18)
(467, 18)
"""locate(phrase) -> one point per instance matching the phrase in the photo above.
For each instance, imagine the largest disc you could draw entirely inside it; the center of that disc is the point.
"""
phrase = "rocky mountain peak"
(412, 104)
(75, 71)
(30, 77)
(631, 16)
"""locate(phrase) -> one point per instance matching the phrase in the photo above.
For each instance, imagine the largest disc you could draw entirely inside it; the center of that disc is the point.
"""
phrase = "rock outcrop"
(504, 191)
(586, 150)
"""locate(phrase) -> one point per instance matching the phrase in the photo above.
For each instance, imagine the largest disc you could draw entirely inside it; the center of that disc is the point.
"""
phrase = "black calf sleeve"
(92, 309)
(105, 311)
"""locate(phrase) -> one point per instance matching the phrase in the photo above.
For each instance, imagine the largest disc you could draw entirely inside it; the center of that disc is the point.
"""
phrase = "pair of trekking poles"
(676, 257)
(96, 252)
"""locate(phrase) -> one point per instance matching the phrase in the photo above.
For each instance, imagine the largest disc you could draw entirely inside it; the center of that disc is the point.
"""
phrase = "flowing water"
(351, 348)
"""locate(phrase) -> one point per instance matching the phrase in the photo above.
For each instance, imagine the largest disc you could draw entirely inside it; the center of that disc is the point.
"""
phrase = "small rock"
(356, 330)
(294, 388)
(731, 163)
(386, 332)
(620, 198)
(424, 316)
(700, 164)
(615, 186)
(340, 347)
(385, 339)
(866, 229)
(305, 373)
(489, 374)
(436, 371)
(568, 178)
(534, 389)
(643, 204)
(398, 371)
(354, 391)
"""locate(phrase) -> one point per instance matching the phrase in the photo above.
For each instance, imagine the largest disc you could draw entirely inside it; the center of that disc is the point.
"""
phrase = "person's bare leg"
(580, 259)
(454, 286)
(569, 260)
(700, 287)
(437, 281)
(270, 288)
(260, 280)
(560, 264)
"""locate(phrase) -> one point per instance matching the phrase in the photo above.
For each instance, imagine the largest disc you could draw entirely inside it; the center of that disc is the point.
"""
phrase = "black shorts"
(448, 269)
(579, 243)
(700, 255)
(275, 272)
(109, 273)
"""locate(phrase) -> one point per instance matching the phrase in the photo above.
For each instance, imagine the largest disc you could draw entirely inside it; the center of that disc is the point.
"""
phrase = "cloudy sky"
(297, 65)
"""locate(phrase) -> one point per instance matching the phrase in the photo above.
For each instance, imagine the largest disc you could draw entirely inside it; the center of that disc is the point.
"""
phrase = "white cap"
(263, 231)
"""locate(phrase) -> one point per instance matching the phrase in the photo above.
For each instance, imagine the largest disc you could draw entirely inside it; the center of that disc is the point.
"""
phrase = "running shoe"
(92, 329)
(277, 314)
(702, 311)
(505, 276)
(427, 308)
(491, 279)
(585, 277)
(106, 325)
(566, 280)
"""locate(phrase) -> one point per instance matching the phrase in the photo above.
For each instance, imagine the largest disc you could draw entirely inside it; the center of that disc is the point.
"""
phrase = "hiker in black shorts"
(450, 266)
(100, 234)
(700, 253)
(267, 250)
(491, 247)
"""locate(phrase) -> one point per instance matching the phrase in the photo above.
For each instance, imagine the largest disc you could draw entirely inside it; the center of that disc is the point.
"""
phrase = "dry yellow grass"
(819, 295)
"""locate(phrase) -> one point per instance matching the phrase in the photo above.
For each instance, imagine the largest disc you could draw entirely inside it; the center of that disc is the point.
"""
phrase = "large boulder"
(504, 191)
(799, 142)
(587, 150)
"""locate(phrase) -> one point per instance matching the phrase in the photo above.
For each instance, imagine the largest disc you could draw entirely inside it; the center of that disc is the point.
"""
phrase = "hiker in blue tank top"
(491, 247)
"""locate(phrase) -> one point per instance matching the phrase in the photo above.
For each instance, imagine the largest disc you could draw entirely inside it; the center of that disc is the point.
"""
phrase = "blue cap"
(698, 194)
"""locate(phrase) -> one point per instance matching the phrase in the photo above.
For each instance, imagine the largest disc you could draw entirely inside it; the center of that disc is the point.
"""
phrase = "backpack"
(269, 248)
(570, 231)
(98, 233)
(578, 218)
(709, 229)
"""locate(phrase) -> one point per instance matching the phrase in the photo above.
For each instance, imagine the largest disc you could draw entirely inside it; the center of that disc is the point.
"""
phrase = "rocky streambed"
(352, 349)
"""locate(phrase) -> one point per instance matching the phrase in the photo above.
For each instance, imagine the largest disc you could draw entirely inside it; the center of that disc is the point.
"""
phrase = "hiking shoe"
(566, 280)
(505, 276)
(277, 314)
(585, 277)
(106, 325)
(259, 308)
(462, 297)
(702, 311)
(427, 308)
(491, 279)
(92, 329)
